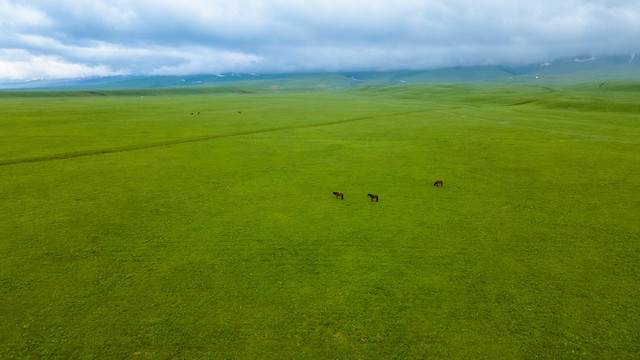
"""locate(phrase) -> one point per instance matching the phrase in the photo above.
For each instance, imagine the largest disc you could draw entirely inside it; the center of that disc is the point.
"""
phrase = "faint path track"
(72, 155)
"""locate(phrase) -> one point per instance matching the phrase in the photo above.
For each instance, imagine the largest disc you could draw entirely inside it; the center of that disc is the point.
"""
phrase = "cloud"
(21, 65)
(18, 16)
(198, 60)
(211, 36)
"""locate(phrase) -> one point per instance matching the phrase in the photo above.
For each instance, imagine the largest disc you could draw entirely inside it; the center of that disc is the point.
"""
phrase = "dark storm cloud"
(67, 38)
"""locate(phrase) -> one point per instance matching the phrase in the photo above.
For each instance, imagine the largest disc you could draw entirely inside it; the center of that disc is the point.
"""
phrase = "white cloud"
(20, 65)
(16, 15)
(196, 60)
(165, 36)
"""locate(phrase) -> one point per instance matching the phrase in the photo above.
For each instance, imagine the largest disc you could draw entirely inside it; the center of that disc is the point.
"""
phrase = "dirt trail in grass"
(134, 147)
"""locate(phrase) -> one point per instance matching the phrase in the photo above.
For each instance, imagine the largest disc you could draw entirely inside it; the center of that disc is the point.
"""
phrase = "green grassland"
(132, 229)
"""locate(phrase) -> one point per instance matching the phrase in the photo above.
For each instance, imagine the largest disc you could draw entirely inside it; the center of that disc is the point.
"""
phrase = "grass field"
(132, 229)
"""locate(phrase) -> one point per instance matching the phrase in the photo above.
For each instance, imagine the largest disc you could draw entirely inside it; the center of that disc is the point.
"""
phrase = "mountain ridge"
(573, 70)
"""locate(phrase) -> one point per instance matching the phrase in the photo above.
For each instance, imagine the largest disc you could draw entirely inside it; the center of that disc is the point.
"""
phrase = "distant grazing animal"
(338, 195)
(373, 197)
(438, 182)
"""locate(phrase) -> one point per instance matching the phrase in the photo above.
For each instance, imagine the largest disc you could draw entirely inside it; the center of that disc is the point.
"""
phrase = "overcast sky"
(80, 38)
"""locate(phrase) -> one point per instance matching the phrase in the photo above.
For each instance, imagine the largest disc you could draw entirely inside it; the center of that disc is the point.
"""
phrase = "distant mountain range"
(580, 69)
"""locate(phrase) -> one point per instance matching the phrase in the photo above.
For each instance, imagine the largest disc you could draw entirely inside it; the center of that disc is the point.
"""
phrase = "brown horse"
(438, 182)
(338, 195)
(373, 197)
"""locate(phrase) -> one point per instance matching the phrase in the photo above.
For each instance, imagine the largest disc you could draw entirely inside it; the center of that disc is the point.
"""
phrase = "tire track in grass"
(71, 155)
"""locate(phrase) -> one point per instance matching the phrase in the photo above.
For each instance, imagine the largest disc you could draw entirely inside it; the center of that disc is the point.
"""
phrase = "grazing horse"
(438, 182)
(373, 197)
(339, 195)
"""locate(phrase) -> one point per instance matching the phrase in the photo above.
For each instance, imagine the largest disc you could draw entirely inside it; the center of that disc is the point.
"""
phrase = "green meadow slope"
(155, 224)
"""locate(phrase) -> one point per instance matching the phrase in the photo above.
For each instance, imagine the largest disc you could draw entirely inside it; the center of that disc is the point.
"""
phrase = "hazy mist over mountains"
(569, 70)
